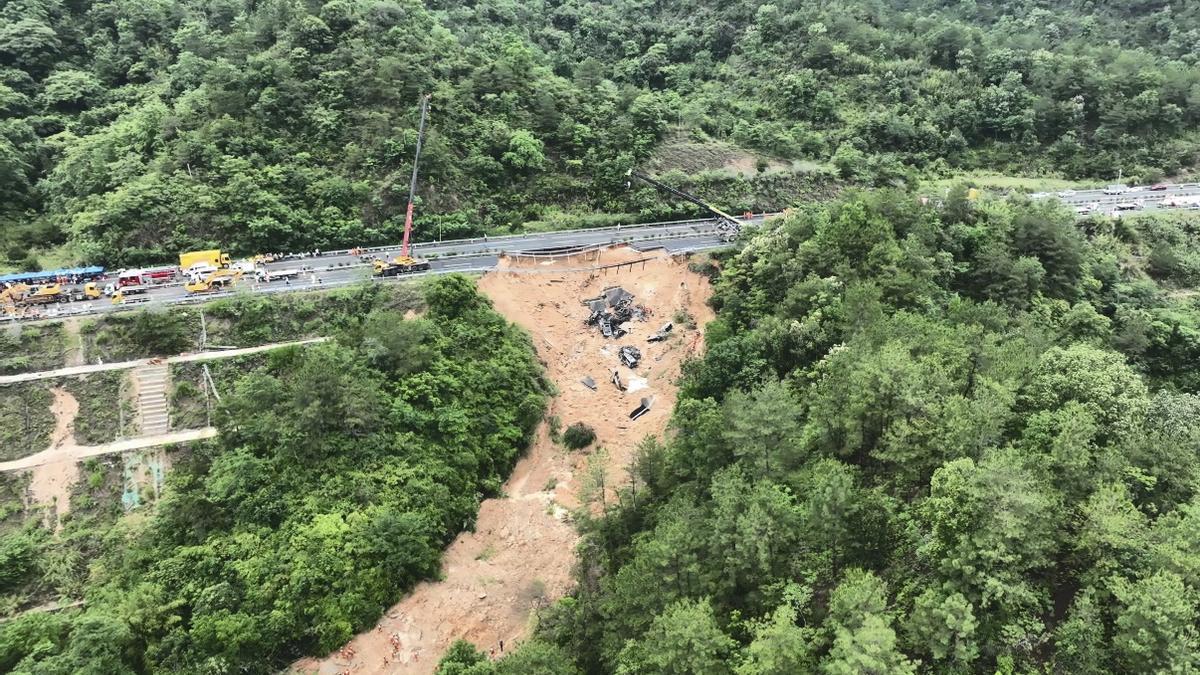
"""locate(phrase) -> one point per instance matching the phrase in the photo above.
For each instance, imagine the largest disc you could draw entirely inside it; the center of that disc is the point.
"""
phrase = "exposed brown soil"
(521, 554)
(692, 158)
(50, 484)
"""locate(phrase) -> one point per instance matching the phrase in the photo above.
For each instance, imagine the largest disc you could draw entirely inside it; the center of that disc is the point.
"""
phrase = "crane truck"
(727, 225)
(21, 295)
(405, 263)
(214, 281)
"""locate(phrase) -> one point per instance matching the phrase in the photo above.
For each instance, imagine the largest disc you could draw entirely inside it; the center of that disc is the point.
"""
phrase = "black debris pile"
(662, 333)
(630, 356)
(616, 380)
(612, 312)
(641, 409)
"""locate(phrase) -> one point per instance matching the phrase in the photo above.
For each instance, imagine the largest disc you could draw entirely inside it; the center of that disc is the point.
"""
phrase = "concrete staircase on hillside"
(152, 399)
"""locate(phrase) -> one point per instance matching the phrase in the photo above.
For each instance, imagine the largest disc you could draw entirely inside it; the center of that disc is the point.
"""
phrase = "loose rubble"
(662, 333)
(613, 311)
(630, 356)
(642, 409)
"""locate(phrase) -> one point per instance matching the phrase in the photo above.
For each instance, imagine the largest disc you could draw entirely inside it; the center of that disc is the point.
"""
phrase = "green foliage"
(137, 335)
(923, 438)
(342, 471)
(685, 638)
(25, 419)
(177, 126)
(463, 659)
(32, 347)
(105, 400)
(578, 436)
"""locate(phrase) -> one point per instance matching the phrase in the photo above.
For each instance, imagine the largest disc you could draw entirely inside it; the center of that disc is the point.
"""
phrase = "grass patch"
(27, 348)
(188, 408)
(12, 500)
(682, 317)
(104, 403)
(989, 181)
(137, 335)
(26, 422)
(250, 320)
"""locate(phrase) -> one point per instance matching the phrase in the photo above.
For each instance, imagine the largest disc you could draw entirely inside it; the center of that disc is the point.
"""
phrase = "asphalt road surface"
(1135, 199)
(341, 268)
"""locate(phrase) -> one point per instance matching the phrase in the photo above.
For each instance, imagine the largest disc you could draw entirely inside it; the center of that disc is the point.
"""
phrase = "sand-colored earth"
(521, 554)
(50, 483)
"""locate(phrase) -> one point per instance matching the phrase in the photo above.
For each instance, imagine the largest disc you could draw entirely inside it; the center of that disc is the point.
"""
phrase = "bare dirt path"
(50, 483)
(521, 553)
(74, 453)
(126, 365)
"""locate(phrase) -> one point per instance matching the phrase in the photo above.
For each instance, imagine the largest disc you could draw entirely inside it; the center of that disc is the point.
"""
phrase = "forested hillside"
(922, 440)
(132, 129)
(341, 472)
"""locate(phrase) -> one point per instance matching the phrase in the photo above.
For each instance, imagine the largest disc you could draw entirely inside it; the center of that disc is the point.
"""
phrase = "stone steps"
(152, 405)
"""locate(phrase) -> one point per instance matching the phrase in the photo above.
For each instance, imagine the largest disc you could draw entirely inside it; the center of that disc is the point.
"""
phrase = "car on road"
(1066, 193)
(1083, 210)
(1158, 187)
(199, 270)
(1136, 188)
(1128, 206)
(1116, 189)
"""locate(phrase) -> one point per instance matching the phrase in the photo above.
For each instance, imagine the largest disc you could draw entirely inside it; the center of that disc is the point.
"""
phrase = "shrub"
(578, 436)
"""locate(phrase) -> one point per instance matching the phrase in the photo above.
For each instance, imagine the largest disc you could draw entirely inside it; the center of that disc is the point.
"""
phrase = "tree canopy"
(134, 130)
(340, 473)
(917, 443)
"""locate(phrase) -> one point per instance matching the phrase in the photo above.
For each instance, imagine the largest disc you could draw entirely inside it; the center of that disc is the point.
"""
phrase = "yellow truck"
(214, 281)
(45, 294)
(401, 264)
(211, 258)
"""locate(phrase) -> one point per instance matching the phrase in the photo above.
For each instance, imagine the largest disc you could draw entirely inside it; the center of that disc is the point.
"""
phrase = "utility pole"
(209, 386)
(412, 184)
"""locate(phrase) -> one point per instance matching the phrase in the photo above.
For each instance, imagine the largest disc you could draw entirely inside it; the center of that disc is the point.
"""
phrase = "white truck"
(266, 276)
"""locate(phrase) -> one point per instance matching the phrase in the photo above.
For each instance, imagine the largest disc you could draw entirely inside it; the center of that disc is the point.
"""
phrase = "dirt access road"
(129, 365)
(521, 553)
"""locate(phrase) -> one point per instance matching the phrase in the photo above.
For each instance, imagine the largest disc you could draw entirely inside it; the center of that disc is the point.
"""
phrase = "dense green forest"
(132, 129)
(342, 471)
(922, 440)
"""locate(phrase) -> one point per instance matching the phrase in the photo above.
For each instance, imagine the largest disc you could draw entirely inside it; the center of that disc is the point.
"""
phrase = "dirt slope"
(50, 483)
(520, 556)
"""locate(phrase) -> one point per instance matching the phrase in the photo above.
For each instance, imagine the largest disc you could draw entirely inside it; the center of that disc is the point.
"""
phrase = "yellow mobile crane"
(24, 295)
(727, 225)
(214, 281)
(405, 263)
(11, 295)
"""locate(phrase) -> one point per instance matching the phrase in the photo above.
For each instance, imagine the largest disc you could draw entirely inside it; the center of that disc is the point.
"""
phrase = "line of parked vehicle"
(1118, 198)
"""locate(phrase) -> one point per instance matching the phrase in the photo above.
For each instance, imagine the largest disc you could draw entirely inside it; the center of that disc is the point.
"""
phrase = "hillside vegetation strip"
(183, 125)
(32, 347)
(922, 439)
(341, 471)
(26, 422)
